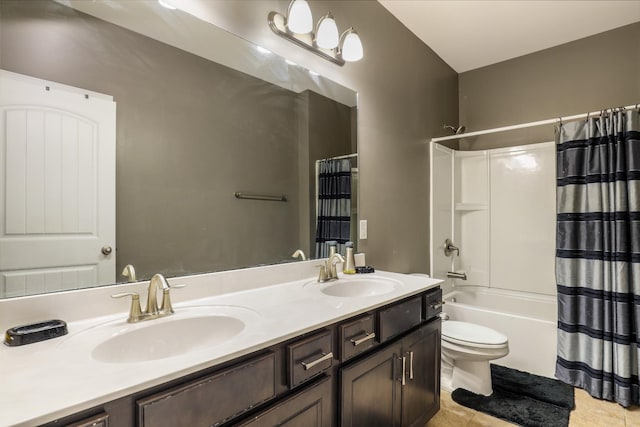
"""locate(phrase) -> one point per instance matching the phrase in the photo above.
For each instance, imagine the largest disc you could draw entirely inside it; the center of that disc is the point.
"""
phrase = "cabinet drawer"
(100, 420)
(311, 407)
(213, 399)
(309, 357)
(432, 303)
(357, 336)
(399, 318)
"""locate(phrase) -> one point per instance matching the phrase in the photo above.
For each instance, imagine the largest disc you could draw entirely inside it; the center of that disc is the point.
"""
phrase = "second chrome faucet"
(329, 271)
(153, 309)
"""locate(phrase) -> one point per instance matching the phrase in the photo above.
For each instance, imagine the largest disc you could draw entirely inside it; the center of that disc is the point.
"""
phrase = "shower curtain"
(334, 205)
(598, 255)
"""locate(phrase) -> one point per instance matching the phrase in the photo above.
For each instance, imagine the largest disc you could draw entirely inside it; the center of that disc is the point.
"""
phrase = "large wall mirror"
(200, 115)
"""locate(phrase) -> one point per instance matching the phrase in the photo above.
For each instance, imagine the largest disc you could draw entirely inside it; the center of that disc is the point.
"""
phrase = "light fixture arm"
(277, 23)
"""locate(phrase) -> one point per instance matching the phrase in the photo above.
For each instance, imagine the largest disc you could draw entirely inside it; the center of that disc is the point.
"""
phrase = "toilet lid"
(471, 333)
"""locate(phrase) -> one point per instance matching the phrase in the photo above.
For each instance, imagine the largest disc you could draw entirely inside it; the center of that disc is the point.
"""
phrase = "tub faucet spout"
(456, 275)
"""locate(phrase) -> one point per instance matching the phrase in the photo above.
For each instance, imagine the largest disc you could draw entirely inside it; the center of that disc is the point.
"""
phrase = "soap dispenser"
(350, 264)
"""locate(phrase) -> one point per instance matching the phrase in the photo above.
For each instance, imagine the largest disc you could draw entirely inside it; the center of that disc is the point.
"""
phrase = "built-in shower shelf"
(463, 207)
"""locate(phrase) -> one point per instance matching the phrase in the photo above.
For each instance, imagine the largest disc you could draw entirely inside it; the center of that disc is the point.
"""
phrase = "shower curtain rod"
(524, 125)
(346, 156)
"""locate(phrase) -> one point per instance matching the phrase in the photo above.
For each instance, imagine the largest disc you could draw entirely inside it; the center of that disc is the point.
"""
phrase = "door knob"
(106, 250)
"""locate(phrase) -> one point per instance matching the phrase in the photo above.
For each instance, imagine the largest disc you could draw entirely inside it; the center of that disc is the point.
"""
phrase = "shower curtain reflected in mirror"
(334, 205)
(598, 255)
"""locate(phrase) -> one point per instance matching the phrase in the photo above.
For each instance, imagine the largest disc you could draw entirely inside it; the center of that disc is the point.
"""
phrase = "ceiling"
(472, 34)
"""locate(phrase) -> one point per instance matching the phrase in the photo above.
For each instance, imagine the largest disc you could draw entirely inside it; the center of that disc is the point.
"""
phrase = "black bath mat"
(522, 398)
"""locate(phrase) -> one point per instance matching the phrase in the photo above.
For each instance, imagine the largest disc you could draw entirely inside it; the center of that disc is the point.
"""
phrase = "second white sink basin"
(359, 287)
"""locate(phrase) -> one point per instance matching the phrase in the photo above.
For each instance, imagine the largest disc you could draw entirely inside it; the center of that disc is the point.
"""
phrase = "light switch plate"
(363, 229)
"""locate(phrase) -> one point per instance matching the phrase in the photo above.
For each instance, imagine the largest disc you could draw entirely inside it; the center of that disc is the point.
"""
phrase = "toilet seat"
(464, 333)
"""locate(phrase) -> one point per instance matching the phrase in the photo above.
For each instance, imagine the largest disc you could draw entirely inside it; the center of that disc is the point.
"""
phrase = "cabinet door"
(311, 407)
(371, 390)
(421, 390)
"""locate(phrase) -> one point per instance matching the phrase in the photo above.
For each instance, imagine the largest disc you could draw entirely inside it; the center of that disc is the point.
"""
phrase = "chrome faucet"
(152, 311)
(158, 280)
(328, 270)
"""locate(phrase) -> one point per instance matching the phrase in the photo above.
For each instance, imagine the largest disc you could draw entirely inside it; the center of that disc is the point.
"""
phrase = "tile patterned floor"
(589, 412)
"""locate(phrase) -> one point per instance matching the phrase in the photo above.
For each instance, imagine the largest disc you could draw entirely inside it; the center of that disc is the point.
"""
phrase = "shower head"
(455, 130)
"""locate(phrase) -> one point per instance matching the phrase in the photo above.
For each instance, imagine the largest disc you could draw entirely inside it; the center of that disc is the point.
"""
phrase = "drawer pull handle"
(411, 365)
(325, 356)
(367, 337)
(436, 305)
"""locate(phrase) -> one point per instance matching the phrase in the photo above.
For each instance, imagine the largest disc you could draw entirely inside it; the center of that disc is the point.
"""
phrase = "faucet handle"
(167, 307)
(323, 276)
(135, 312)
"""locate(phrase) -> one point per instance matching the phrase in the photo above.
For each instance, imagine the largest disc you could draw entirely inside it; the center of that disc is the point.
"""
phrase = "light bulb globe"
(351, 46)
(327, 36)
(299, 19)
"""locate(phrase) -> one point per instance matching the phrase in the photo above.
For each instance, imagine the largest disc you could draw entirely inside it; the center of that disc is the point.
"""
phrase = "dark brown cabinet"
(380, 368)
(421, 392)
(310, 407)
(399, 385)
(370, 390)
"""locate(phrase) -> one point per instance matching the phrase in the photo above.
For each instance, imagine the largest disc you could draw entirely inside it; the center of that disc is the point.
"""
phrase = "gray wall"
(405, 94)
(589, 74)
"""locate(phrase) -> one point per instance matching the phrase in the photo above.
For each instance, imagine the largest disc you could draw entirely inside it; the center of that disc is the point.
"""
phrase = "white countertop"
(51, 379)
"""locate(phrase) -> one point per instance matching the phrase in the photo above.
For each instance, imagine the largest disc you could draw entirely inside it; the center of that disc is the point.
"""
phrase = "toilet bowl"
(467, 349)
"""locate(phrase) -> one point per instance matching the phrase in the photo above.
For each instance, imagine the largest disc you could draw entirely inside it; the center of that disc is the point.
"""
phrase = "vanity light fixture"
(326, 41)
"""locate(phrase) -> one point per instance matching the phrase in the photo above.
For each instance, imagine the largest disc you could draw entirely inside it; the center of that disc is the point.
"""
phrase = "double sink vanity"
(255, 347)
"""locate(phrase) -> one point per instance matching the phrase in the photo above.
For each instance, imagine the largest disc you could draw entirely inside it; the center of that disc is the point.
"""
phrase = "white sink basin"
(359, 287)
(189, 329)
(167, 339)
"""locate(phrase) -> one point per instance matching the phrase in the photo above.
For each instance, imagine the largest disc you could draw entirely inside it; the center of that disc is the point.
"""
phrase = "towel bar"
(269, 197)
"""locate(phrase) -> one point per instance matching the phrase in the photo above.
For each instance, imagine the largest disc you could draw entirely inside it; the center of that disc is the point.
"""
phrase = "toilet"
(467, 349)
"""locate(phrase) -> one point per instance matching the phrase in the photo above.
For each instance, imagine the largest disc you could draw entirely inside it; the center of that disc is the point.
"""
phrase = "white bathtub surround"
(51, 379)
(467, 349)
(528, 320)
(498, 207)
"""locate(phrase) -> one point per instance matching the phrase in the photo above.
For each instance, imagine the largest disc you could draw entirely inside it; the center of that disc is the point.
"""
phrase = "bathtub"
(528, 320)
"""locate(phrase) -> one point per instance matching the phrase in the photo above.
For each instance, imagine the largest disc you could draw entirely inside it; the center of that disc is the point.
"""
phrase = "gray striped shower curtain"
(334, 205)
(598, 255)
